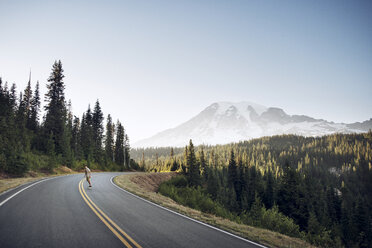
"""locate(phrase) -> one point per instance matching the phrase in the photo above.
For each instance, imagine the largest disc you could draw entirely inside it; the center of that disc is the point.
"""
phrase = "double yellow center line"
(119, 233)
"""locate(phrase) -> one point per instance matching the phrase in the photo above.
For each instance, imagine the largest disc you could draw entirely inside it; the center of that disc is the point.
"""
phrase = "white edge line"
(19, 186)
(189, 218)
(10, 197)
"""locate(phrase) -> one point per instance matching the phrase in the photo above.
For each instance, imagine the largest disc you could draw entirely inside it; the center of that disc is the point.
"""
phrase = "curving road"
(64, 212)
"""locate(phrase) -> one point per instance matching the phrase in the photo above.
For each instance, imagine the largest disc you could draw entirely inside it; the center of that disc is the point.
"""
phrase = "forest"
(31, 142)
(315, 188)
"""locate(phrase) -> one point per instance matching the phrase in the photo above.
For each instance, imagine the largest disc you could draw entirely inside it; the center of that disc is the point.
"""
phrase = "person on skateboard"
(88, 175)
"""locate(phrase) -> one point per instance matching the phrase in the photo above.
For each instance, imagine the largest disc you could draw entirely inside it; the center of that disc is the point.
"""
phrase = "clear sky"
(155, 64)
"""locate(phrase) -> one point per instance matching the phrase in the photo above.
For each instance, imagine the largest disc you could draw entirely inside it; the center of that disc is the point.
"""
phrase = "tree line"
(315, 188)
(28, 141)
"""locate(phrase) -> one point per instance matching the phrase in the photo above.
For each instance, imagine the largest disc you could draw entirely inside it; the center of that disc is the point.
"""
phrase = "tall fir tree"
(55, 108)
(21, 116)
(87, 135)
(193, 165)
(27, 100)
(232, 172)
(126, 150)
(269, 191)
(33, 122)
(119, 145)
(75, 138)
(203, 165)
(97, 119)
(109, 139)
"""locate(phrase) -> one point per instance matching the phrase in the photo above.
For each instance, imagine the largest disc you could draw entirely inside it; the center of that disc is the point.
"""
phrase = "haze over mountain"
(225, 122)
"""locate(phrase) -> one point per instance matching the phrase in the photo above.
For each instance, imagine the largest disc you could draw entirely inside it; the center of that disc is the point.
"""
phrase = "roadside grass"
(7, 183)
(137, 183)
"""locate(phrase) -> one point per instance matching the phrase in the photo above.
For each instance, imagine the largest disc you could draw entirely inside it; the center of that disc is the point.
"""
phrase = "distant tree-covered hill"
(319, 188)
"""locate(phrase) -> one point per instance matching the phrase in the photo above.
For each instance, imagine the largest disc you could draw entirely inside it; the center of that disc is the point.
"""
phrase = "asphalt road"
(64, 212)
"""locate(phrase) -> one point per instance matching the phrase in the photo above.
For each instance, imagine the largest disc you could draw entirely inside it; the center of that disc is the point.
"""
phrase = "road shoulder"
(10, 183)
(144, 185)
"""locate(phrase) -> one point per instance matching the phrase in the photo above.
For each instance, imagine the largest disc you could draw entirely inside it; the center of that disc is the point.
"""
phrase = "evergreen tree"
(194, 171)
(56, 108)
(21, 120)
(109, 139)
(290, 197)
(185, 169)
(232, 172)
(126, 150)
(75, 138)
(240, 184)
(203, 164)
(87, 135)
(13, 97)
(97, 120)
(33, 121)
(174, 164)
(67, 137)
(269, 191)
(119, 145)
(27, 100)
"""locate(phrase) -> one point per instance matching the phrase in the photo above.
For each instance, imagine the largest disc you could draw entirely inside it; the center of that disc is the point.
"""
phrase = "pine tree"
(109, 139)
(232, 171)
(119, 145)
(87, 135)
(233, 182)
(185, 169)
(97, 132)
(194, 171)
(75, 138)
(239, 185)
(290, 197)
(33, 121)
(269, 191)
(174, 164)
(13, 97)
(21, 119)
(67, 137)
(27, 101)
(126, 150)
(203, 164)
(56, 108)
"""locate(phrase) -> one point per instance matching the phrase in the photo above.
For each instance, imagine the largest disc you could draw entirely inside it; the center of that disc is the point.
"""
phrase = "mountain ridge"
(226, 122)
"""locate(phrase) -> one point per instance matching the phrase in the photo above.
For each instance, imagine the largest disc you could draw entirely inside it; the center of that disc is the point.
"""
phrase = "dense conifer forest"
(29, 141)
(315, 188)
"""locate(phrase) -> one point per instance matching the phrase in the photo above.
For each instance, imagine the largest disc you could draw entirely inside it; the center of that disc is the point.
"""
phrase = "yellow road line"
(112, 222)
(90, 202)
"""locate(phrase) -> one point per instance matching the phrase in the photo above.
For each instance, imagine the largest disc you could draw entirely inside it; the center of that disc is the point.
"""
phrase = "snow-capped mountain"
(226, 122)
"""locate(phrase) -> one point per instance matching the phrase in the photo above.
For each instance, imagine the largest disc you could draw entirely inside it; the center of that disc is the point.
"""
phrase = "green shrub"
(176, 188)
(274, 220)
(177, 181)
(17, 164)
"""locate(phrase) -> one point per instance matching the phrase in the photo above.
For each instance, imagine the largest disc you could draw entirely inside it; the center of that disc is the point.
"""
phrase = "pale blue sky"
(155, 64)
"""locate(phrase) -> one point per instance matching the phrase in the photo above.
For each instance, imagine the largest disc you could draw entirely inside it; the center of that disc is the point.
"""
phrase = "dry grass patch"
(7, 182)
(146, 185)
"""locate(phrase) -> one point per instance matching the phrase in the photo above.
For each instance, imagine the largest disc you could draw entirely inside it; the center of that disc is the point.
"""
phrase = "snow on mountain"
(226, 122)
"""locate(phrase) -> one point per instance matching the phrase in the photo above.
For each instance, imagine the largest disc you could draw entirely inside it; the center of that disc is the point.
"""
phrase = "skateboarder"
(88, 175)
